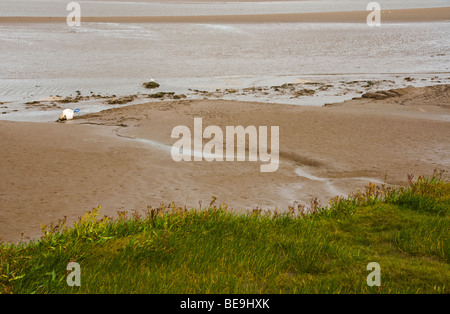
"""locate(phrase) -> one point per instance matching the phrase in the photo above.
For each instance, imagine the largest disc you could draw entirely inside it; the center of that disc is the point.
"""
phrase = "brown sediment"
(52, 170)
(387, 16)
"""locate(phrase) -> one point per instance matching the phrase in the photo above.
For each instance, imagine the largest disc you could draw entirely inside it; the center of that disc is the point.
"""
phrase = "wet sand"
(119, 158)
(387, 16)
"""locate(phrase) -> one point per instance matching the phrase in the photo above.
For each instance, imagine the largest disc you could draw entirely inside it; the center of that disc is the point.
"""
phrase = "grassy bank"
(211, 250)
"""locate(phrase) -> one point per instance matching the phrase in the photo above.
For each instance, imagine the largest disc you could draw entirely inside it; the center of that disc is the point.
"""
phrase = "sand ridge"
(387, 16)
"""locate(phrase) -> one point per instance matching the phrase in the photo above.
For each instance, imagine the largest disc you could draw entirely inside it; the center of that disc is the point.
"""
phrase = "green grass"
(212, 250)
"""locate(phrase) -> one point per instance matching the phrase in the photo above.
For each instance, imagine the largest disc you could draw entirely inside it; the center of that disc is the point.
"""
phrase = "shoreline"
(54, 170)
(387, 16)
(286, 90)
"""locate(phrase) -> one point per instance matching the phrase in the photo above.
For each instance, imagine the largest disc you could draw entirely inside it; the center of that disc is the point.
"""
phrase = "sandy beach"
(119, 158)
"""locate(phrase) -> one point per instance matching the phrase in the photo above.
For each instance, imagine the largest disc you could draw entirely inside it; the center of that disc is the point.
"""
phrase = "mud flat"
(120, 158)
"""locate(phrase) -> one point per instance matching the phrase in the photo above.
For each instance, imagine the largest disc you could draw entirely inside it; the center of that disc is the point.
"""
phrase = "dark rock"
(160, 95)
(120, 101)
(151, 84)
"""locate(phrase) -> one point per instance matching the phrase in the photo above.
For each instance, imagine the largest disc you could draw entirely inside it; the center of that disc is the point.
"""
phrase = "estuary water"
(38, 60)
(195, 7)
